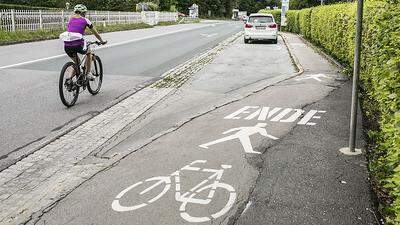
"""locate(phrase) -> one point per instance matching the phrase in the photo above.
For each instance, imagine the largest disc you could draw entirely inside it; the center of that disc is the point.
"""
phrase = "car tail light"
(272, 25)
(248, 25)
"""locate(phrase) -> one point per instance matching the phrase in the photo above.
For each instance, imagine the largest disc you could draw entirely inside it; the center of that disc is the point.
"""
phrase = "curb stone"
(292, 55)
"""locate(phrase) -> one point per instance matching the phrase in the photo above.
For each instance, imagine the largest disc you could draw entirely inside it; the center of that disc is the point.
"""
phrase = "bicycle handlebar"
(96, 43)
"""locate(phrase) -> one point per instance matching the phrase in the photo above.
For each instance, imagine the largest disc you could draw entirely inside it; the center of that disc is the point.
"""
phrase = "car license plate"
(261, 27)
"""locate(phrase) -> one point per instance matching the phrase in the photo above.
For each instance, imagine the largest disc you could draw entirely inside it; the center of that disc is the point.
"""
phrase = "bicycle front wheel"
(97, 71)
(67, 87)
(231, 198)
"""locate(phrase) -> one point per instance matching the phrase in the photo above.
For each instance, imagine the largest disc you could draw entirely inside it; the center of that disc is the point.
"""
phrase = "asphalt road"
(30, 107)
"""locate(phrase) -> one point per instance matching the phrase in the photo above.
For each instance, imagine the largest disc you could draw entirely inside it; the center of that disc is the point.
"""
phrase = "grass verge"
(9, 38)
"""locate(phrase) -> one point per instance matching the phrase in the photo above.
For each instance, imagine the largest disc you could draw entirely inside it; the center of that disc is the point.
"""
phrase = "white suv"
(261, 26)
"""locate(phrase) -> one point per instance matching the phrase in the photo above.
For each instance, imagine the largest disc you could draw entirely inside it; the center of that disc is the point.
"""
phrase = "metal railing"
(12, 20)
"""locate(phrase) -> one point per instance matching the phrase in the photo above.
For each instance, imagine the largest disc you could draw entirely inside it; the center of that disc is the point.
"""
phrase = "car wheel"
(275, 41)
(246, 41)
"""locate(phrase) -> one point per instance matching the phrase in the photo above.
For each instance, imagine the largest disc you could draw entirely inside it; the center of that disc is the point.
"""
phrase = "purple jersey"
(77, 25)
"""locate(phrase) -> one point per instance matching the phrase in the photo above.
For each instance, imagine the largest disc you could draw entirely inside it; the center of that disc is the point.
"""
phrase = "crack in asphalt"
(241, 209)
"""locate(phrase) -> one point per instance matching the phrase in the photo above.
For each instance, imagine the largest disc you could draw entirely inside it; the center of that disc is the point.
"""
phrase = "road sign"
(285, 8)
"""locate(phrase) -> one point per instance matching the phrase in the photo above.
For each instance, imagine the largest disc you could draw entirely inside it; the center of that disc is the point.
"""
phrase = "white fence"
(12, 20)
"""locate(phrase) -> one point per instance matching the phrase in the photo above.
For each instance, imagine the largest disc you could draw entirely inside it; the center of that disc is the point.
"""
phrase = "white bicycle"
(212, 183)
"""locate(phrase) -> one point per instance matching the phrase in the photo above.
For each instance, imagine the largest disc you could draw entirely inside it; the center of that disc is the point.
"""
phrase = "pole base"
(346, 151)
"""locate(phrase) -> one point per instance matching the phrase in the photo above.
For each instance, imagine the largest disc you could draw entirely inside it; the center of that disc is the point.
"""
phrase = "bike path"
(299, 177)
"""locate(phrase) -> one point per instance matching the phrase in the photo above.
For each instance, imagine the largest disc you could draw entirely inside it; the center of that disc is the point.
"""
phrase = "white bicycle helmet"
(80, 8)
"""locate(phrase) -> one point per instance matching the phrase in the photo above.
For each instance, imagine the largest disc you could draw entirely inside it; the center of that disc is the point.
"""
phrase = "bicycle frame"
(216, 176)
(84, 58)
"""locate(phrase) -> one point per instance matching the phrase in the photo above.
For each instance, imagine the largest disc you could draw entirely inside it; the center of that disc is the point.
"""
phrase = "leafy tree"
(168, 5)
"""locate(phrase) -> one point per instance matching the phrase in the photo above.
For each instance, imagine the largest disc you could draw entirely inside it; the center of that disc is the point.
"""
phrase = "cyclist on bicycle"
(73, 38)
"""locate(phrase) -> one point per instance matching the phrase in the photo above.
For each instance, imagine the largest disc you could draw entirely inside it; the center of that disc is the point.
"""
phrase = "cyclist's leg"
(88, 62)
(73, 54)
(77, 61)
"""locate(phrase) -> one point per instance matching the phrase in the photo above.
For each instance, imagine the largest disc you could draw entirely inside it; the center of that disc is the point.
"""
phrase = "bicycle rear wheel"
(97, 71)
(143, 188)
(67, 87)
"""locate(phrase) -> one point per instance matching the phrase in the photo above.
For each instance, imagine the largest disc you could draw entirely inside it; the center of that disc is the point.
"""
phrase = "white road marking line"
(106, 46)
(209, 35)
(247, 207)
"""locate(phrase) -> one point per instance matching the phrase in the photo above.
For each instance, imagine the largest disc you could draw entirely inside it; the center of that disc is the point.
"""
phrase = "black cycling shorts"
(73, 50)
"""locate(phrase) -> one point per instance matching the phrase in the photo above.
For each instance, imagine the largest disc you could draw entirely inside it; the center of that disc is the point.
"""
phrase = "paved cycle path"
(270, 157)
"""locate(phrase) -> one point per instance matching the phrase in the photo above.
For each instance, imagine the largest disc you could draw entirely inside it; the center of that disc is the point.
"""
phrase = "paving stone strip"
(38, 181)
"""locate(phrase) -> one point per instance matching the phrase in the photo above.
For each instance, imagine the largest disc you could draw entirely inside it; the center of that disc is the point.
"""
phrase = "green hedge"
(292, 21)
(333, 29)
(12, 6)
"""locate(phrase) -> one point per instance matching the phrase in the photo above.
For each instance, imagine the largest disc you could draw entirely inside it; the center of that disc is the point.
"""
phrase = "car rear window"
(261, 19)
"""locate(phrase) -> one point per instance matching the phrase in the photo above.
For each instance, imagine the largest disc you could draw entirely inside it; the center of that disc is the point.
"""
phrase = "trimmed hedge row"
(12, 6)
(333, 29)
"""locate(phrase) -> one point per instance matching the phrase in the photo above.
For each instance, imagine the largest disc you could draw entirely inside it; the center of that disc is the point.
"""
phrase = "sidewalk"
(298, 124)
(305, 179)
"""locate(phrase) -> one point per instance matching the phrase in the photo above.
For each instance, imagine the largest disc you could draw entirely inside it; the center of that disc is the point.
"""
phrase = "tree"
(168, 5)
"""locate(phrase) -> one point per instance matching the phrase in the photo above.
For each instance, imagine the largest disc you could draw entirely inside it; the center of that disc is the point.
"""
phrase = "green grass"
(177, 22)
(121, 27)
(169, 23)
(7, 38)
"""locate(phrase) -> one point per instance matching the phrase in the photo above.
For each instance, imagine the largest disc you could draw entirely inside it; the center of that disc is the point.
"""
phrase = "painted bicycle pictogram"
(212, 184)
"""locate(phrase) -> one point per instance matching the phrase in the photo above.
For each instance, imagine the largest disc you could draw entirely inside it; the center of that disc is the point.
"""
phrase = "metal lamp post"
(351, 150)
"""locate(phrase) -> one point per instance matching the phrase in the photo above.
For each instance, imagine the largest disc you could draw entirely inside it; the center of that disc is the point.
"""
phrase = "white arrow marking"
(313, 76)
